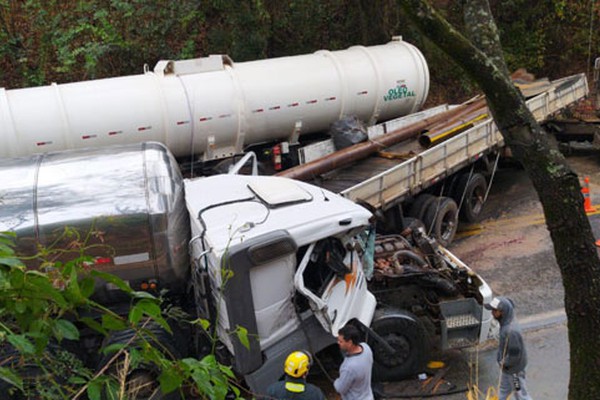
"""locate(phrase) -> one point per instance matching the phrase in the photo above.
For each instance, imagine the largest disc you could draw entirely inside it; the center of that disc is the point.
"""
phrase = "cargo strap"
(492, 177)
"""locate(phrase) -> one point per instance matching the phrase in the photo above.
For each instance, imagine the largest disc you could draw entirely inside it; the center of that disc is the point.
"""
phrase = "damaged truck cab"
(279, 258)
(288, 262)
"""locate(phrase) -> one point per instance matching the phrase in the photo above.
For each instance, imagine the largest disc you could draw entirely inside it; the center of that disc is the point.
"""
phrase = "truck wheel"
(30, 372)
(474, 192)
(408, 337)
(141, 382)
(39, 381)
(420, 205)
(441, 220)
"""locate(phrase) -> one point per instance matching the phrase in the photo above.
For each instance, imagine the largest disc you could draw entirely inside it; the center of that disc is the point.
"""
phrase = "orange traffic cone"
(587, 201)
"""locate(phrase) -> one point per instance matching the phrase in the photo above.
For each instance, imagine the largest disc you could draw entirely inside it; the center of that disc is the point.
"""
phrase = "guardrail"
(428, 167)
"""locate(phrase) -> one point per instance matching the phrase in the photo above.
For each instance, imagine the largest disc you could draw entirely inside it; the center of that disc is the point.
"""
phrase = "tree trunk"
(558, 189)
(483, 32)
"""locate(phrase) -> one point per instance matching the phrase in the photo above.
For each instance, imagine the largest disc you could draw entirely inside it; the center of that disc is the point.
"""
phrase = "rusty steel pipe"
(362, 150)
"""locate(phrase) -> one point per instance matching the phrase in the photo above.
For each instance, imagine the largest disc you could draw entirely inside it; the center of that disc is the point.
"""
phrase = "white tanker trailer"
(214, 108)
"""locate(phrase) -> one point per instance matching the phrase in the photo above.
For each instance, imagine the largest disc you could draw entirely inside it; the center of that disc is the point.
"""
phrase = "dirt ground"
(511, 247)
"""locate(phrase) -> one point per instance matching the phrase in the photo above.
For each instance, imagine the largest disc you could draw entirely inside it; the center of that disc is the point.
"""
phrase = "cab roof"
(234, 208)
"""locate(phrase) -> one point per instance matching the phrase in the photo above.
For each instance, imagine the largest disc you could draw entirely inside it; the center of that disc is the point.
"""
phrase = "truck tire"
(141, 383)
(474, 193)
(441, 220)
(420, 205)
(59, 366)
(406, 334)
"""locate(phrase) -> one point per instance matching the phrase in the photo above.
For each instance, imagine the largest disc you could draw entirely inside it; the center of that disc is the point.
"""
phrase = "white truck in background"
(301, 259)
(579, 124)
(211, 108)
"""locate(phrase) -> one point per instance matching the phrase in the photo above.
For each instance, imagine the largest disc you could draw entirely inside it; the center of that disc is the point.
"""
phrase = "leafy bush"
(44, 313)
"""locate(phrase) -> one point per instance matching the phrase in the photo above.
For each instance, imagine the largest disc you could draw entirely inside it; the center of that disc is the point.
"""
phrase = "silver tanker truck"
(301, 258)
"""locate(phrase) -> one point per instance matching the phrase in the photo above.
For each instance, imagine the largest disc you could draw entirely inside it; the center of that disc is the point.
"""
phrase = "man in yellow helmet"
(294, 387)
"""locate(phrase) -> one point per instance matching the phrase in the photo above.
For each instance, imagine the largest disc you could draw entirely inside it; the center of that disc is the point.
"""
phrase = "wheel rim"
(402, 346)
(448, 223)
(476, 200)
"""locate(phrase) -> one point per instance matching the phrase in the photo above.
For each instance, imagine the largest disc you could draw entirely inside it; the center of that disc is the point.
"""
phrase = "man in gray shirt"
(354, 382)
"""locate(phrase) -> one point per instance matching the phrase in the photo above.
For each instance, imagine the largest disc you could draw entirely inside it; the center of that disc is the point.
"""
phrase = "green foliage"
(43, 312)
(242, 334)
(209, 375)
(57, 41)
(47, 41)
(240, 29)
(550, 39)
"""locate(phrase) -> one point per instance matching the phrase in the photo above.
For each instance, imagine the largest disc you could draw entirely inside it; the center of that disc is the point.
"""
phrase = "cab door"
(332, 279)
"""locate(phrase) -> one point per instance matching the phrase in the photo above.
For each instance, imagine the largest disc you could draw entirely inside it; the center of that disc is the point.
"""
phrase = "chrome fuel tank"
(126, 205)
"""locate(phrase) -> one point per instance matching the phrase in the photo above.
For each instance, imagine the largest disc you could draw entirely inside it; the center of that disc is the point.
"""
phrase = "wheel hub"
(402, 350)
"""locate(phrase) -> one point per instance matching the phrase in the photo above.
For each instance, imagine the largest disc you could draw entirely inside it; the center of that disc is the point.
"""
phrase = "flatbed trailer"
(580, 123)
(385, 183)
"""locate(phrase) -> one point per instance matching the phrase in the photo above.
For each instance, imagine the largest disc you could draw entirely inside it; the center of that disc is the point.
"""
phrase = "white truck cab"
(257, 249)
(284, 260)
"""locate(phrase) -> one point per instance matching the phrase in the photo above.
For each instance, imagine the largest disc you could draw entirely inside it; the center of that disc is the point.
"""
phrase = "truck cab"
(288, 262)
(279, 258)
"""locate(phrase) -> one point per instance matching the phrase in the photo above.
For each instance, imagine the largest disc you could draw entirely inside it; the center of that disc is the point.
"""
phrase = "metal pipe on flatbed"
(362, 150)
(433, 137)
(478, 106)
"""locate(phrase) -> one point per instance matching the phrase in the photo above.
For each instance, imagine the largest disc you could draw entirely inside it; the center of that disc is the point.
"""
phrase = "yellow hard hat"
(297, 364)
